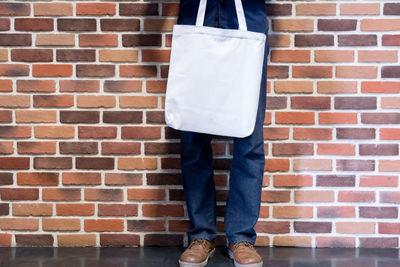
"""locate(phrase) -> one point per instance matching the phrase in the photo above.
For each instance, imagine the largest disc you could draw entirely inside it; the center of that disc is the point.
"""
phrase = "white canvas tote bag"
(214, 77)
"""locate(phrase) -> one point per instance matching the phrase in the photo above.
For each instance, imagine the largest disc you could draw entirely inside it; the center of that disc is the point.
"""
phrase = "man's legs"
(196, 152)
(246, 176)
(198, 184)
(247, 167)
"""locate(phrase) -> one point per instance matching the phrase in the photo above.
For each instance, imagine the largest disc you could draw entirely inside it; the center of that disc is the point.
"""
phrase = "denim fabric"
(247, 166)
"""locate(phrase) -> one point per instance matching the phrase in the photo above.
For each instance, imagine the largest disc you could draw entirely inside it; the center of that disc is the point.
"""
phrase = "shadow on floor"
(168, 256)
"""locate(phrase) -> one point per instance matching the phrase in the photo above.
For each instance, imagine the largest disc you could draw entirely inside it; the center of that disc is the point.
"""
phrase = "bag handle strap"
(239, 13)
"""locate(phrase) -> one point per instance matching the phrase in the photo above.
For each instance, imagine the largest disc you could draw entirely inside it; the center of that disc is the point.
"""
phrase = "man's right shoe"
(197, 253)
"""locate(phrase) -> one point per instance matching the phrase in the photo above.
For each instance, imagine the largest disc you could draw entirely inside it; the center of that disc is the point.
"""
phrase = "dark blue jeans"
(247, 166)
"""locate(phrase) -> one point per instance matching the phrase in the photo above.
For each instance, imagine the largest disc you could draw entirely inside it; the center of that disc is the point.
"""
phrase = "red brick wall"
(86, 158)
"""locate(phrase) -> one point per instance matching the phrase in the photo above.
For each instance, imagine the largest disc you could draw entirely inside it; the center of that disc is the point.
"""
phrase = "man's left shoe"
(244, 254)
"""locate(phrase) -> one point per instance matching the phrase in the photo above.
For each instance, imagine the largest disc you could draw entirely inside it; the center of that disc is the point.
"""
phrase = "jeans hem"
(235, 240)
(209, 237)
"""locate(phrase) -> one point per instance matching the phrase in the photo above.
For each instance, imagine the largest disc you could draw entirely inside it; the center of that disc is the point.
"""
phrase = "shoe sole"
(198, 264)
(231, 256)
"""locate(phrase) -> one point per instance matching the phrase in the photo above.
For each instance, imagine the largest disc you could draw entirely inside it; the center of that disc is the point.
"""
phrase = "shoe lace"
(200, 241)
(243, 243)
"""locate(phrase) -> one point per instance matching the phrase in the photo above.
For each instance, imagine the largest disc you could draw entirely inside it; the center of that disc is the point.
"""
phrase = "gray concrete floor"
(168, 256)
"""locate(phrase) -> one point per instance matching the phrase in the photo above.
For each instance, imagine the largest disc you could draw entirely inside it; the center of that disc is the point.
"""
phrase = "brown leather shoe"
(244, 254)
(197, 253)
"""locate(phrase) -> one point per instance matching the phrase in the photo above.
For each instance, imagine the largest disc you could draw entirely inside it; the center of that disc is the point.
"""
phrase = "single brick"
(368, 72)
(14, 70)
(300, 133)
(146, 101)
(287, 87)
(334, 55)
(313, 40)
(52, 163)
(76, 55)
(74, 116)
(360, 9)
(159, 25)
(32, 55)
(276, 102)
(79, 86)
(96, 163)
(15, 9)
(390, 102)
(290, 55)
(88, 70)
(379, 149)
(139, 132)
(95, 101)
(292, 117)
(170, 9)
(356, 102)
(310, 9)
(52, 70)
(76, 24)
(292, 25)
(52, 39)
(279, 9)
(355, 165)
(121, 55)
(311, 71)
(377, 56)
(97, 132)
(337, 24)
(313, 164)
(274, 40)
(98, 40)
(275, 71)
(390, 71)
(36, 86)
(355, 133)
(312, 227)
(26, 24)
(337, 118)
(122, 116)
(122, 86)
(335, 180)
(13, 39)
(389, 165)
(155, 117)
(387, 87)
(336, 149)
(156, 55)
(78, 147)
(378, 212)
(389, 40)
(138, 9)
(120, 24)
(380, 25)
(53, 9)
(96, 9)
(292, 149)
(4, 24)
(379, 180)
(156, 86)
(53, 100)
(357, 40)
(33, 240)
(310, 102)
(14, 163)
(391, 9)
(129, 40)
(138, 71)
(380, 118)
